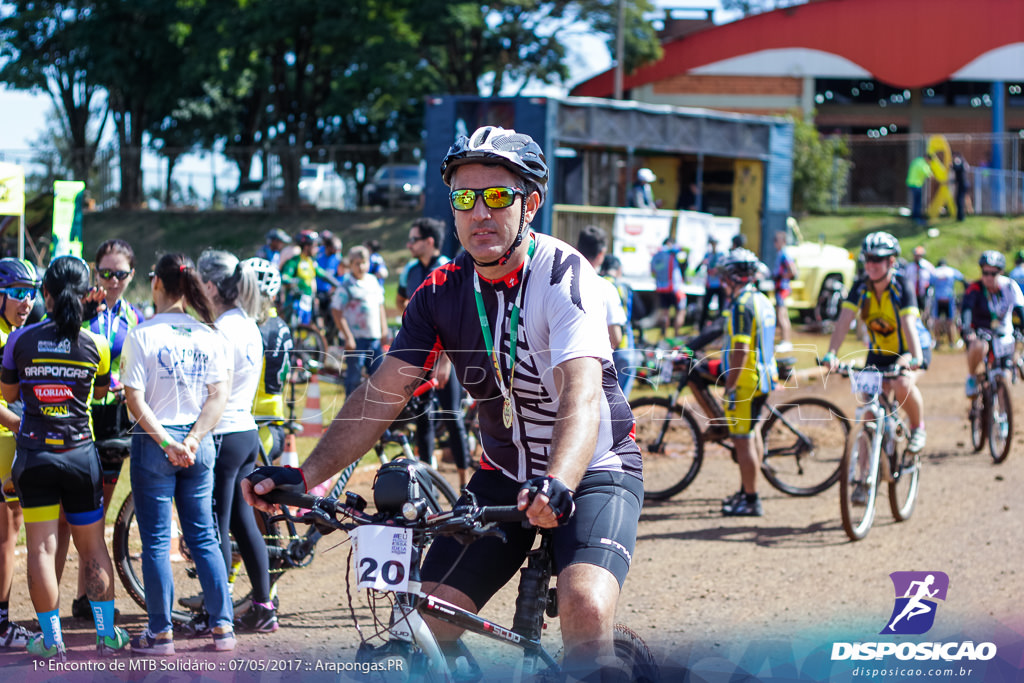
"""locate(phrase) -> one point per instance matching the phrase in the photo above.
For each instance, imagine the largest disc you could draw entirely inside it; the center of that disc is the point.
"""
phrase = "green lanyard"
(491, 346)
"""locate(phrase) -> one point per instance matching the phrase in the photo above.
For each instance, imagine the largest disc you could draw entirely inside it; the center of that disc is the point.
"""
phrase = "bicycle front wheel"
(858, 483)
(804, 442)
(1000, 427)
(979, 425)
(636, 658)
(440, 494)
(127, 544)
(671, 444)
(906, 473)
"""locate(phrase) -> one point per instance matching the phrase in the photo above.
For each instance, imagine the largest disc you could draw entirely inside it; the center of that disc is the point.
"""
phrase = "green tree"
(821, 168)
(470, 48)
(45, 46)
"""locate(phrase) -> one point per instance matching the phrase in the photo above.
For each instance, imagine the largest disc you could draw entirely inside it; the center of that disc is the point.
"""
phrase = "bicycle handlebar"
(845, 369)
(425, 387)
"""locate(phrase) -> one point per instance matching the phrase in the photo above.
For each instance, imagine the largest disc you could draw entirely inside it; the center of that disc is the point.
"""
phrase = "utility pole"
(620, 48)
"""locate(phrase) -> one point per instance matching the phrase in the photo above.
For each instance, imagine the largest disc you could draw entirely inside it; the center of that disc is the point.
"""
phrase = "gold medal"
(506, 414)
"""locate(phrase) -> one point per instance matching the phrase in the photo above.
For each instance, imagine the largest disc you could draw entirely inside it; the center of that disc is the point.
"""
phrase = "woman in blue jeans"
(175, 376)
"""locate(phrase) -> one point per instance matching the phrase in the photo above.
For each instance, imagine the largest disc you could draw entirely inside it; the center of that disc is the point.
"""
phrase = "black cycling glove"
(559, 496)
(285, 478)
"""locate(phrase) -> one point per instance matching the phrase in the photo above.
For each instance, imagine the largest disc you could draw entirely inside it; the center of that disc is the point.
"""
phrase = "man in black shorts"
(551, 412)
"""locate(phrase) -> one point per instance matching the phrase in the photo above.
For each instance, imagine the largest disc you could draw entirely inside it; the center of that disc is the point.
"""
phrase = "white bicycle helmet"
(740, 264)
(880, 244)
(646, 175)
(992, 259)
(491, 144)
(266, 274)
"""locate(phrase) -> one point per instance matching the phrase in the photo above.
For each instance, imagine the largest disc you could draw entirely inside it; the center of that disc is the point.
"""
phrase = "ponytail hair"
(67, 281)
(237, 283)
(178, 275)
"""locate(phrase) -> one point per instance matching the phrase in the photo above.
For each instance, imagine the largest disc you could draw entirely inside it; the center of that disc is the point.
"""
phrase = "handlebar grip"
(425, 387)
(300, 500)
(502, 513)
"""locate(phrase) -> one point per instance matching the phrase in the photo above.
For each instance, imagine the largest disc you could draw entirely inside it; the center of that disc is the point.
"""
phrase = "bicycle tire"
(671, 444)
(857, 518)
(903, 487)
(1000, 426)
(807, 461)
(127, 545)
(635, 656)
(978, 423)
(309, 346)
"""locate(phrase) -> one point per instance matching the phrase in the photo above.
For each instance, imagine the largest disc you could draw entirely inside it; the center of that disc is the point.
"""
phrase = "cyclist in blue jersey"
(944, 279)
(56, 368)
(517, 312)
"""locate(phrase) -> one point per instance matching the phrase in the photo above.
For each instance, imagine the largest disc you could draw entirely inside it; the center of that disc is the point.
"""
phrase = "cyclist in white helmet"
(990, 303)
(887, 304)
(519, 315)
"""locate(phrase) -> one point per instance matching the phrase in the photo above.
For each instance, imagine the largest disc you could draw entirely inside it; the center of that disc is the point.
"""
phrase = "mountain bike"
(991, 411)
(877, 452)
(804, 437)
(399, 639)
(309, 344)
(286, 547)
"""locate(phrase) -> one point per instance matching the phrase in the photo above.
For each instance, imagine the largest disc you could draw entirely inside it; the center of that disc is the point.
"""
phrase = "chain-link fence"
(879, 172)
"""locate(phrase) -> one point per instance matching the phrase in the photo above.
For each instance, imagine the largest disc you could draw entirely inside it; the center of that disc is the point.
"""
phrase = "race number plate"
(867, 382)
(1003, 346)
(382, 555)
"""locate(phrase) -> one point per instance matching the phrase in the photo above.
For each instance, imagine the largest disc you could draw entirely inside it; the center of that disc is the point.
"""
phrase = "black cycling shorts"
(602, 532)
(945, 309)
(47, 480)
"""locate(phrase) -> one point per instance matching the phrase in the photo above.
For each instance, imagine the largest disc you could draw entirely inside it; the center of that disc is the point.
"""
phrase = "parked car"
(825, 274)
(395, 185)
(247, 196)
(319, 185)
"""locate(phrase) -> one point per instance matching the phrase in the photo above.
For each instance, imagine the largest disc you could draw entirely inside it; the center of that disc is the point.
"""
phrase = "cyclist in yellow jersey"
(18, 288)
(888, 306)
(277, 345)
(749, 374)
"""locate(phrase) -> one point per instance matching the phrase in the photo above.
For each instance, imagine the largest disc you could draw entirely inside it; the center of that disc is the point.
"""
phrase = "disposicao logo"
(913, 613)
(917, 595)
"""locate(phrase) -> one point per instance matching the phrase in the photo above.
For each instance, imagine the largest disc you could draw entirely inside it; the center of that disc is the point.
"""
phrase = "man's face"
(484, 232)
(780, 240)
(419, 246)
(276, 245)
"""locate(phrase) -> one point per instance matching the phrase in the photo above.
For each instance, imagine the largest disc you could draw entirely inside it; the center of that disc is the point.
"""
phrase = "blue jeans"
(155, 482)
(625, 365)
(367, 354)
(917, 204)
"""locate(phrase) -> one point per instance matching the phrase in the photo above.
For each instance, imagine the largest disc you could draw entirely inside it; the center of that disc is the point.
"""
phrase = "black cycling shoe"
(81, 609)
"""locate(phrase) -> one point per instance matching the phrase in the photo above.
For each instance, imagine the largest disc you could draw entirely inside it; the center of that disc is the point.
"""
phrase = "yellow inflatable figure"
(942, 158)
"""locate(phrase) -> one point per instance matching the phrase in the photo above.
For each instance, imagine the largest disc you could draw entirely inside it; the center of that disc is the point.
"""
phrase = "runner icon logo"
(917, 593)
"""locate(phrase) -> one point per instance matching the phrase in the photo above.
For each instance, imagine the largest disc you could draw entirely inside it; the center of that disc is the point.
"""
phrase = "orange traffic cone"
(289, 452)
(312, 416)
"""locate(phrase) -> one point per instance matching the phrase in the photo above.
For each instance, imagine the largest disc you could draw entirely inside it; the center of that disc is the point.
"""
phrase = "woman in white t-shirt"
(233, 289)
(176, 385)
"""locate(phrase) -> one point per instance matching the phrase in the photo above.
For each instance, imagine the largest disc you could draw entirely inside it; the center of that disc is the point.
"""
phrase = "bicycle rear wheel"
(636, 658)
(127, 544)
(804, 444)
(309, 346)
(858, 485)
(1000, 427)
(671, 444)
(903, 487)
(979, 424)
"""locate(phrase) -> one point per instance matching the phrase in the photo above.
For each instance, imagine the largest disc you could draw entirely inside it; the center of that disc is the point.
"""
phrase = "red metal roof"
(904, 43)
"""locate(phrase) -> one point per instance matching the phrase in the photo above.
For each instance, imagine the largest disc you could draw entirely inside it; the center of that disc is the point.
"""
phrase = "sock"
(103, 616)
(5, 613)
(751, 497)
(49, 623)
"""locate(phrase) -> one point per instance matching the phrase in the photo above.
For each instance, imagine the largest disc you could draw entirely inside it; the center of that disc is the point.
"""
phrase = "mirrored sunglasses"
(494, 197)
(108, 274)
(875, 259)
(20, 293)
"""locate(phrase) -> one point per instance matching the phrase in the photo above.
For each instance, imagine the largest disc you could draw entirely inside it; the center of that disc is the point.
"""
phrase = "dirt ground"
(758, 598)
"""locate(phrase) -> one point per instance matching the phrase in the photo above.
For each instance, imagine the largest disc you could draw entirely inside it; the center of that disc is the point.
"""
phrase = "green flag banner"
(67, 218)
